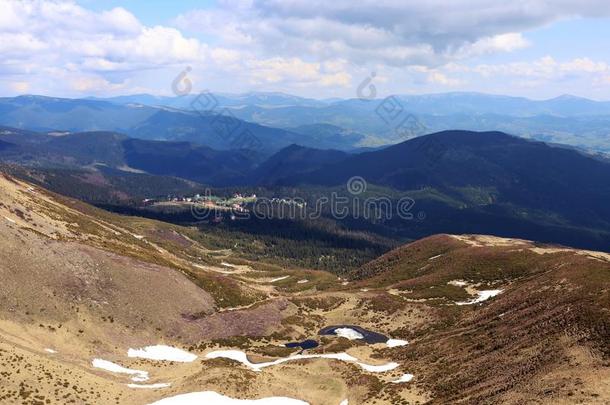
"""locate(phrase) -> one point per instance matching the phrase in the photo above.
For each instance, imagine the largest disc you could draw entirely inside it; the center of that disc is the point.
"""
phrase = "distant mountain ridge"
(277, 120)
(269, 99)
(217, 129)
(435, 103)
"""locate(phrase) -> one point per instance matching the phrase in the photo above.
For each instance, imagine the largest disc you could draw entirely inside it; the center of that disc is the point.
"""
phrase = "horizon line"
(325, 99)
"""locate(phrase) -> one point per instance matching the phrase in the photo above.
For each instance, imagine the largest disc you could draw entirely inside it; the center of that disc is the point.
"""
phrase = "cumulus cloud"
(396, 32)
(95, 52)
(315, 46)
(442, 79)
(57, 37)
(281, 69)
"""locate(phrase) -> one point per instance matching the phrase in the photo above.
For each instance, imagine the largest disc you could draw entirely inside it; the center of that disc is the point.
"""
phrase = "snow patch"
(278, 279)
(50, 351)
(434, 257)
(214, 269)
(302, 281)
(349, 333)
(378, 369)
(396, 342)
(138, 375)
(149, 386)
(211, 397)
(457, 283)
(10, 220)
(483, 296)
(403, 378)
(161, 352)
(241, 357)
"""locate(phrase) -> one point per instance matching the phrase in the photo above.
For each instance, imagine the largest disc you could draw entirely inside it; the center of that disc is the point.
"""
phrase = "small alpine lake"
(304, 345)
(353, 332)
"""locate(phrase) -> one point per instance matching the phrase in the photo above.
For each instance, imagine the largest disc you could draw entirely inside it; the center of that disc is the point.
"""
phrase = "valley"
(98, 285)
(447, 182)
(297, 202)
(267, 202)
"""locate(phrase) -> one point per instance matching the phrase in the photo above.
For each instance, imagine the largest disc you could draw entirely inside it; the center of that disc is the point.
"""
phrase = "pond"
(353, 332)
(304, 345)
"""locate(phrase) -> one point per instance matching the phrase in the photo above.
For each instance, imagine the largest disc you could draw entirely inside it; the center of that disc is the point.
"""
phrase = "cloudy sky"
(314, 48)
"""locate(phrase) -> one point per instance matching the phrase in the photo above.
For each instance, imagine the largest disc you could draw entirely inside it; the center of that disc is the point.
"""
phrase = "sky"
(313, 48)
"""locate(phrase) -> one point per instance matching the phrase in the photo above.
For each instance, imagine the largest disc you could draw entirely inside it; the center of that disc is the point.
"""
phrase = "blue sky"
(312, 48)
(149, 12)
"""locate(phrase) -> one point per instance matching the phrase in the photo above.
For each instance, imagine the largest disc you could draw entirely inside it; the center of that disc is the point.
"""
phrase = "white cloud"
(91, 83)
(295, 71)
(395, 32)
(442, 79)
(14, 44)
(313, 47)
(20, 87)
(539, 78)
(279, 69)
(56, 37)
(584, 65)
(498, 43)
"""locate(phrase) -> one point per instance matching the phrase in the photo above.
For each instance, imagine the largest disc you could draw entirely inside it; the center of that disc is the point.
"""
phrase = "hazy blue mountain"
(269, 99)
(440, 103)
(40, 113)
(329, 136)
(272, 121)
(218, 100)
(145, 99)
(218, 129)
(481, 103)
(569, 120)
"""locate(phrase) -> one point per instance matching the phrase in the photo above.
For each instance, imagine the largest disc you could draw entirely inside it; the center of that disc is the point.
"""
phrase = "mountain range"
(465, 182)
(108, 151)
(270, 121)
(472, 313)
(220, 130)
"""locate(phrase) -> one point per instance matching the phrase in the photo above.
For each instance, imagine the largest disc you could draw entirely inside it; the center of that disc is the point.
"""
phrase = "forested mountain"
(294, 160)
(90, 149)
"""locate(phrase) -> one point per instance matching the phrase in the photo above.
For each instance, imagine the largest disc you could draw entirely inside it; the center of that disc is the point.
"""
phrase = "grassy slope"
(516, 347)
